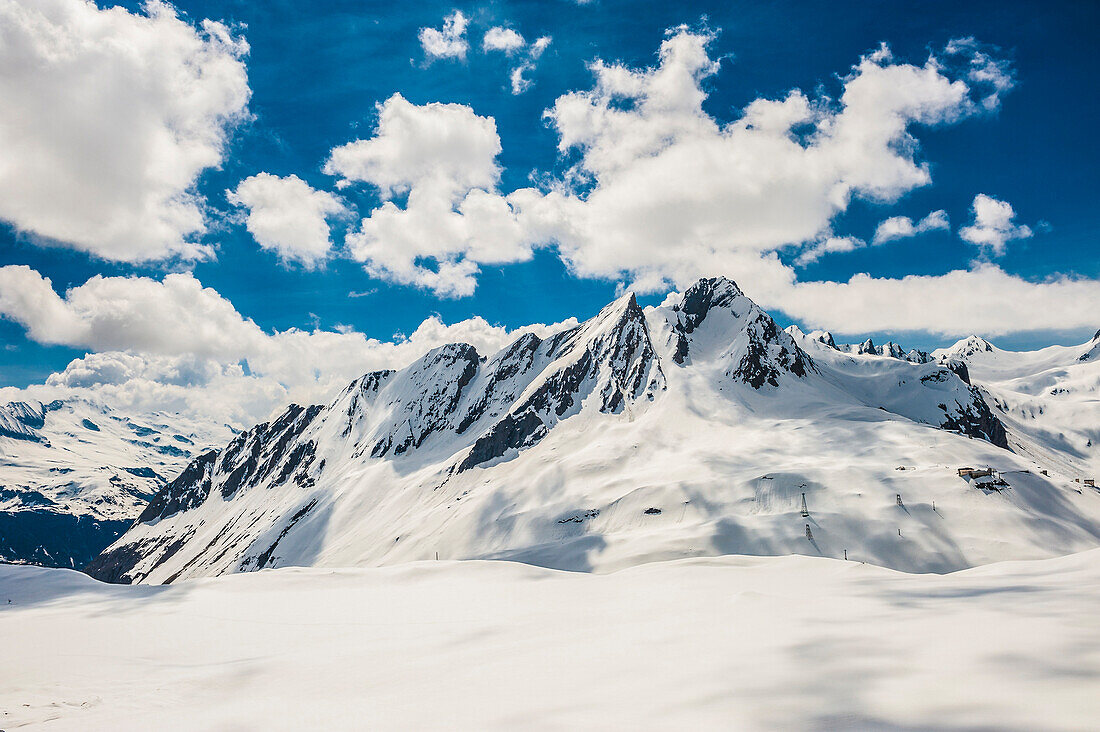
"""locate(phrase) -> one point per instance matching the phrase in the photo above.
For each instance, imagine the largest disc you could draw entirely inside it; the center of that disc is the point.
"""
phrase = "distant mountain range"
(75, 474)
(698, 427)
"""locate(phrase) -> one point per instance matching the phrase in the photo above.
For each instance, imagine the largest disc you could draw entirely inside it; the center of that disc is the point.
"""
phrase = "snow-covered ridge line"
(691, 427)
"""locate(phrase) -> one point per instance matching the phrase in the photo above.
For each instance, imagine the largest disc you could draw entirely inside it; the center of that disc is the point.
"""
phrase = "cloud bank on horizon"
(652, 192)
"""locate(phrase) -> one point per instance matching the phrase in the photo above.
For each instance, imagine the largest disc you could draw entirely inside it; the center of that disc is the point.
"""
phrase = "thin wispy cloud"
(903, 227)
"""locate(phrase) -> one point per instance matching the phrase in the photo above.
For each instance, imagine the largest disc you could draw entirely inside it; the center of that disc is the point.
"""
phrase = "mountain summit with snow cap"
(692, 427)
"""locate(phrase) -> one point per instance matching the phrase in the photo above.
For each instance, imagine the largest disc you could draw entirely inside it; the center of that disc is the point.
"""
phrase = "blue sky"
(317, 73)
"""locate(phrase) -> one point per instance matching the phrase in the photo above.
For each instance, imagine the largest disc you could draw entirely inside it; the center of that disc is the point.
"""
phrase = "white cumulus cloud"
(513, 44)
(107, 120)
(174, 344)
(287, 216)
(503, 39)
(173, 316)
(993, 226)
(675, 194)
(984, 300)
(448, 41)
(443, 157)
(995, 75)
(660, 192)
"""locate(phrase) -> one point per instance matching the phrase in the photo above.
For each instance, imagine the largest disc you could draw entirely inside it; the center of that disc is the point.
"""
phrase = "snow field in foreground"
(730, 643)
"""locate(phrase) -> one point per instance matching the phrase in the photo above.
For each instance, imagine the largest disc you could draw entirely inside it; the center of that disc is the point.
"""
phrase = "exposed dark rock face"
(20, 420)
(614, 356)
(362, 393)
(440, 378)
(264, 558)
(364, 387)
(977, 420)
(116, 565)
(19, 434)
(768, 354)
(31, 414)
(628, 353)
(504, 387)
(187, 491)
(145, 473)
(255, 454)
(512, 432)
(579, 518)
(298, 460)
(959, 368)
(252, 455)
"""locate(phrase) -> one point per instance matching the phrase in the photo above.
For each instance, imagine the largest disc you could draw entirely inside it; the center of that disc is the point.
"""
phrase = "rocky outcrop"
(187, 491)
(975, 419)
(759, 351)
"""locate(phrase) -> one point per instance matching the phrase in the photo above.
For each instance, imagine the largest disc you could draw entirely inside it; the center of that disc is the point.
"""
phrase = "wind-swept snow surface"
(730, 643)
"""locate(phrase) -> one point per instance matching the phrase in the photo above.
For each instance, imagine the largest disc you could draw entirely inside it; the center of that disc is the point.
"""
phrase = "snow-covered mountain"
(75, 474)
(697, 427)
(1049, 399)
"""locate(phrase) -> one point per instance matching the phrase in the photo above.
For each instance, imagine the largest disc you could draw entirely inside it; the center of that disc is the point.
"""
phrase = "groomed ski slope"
(725, 643)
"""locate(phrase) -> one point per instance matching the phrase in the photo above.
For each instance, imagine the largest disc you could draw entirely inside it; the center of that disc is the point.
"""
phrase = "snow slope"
(75, 474)
(741, 643)
(689, 429)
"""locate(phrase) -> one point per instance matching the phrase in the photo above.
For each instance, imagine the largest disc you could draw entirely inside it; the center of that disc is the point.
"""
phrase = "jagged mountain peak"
(623, 314)
(714, 321)
(794, 331)
(610, 357)
(969, 346)
(822, 336)
(707, 293)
